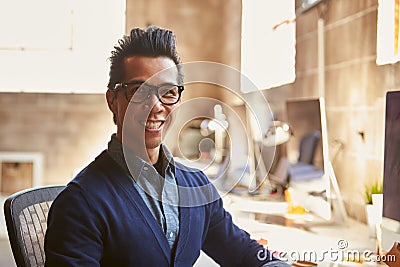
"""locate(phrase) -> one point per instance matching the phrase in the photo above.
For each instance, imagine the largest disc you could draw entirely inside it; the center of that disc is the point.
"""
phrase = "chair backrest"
(26, 219)
(308, 144)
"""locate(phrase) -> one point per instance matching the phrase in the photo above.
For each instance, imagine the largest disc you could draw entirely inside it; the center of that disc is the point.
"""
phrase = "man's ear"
(111, 101)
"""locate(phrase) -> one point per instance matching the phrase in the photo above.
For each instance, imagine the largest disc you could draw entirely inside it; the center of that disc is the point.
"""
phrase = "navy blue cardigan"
(101, 220)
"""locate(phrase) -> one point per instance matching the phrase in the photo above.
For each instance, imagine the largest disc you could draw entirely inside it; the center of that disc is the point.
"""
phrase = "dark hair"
(152, 42)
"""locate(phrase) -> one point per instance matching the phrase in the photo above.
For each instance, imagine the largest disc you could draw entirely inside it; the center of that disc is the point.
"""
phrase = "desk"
(324, 243)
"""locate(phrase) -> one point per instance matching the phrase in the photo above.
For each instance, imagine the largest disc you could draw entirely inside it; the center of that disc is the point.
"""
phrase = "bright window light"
(388, 32)
(268, 43)
(58, 46)
(27, 25)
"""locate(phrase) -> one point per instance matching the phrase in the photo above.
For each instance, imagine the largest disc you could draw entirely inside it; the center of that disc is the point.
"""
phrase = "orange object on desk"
(262, 241)
(293, 209)
(296, 209)
(288, 197)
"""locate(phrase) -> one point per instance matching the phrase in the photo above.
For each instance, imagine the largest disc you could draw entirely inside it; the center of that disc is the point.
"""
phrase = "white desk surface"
(325, 242)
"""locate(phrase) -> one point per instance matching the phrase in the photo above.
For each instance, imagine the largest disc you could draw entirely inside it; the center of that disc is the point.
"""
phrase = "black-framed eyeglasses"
(138, 92)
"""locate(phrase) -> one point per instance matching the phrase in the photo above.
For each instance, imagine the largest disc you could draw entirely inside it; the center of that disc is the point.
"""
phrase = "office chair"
(304, 169)
(308, 145)
(26, 219)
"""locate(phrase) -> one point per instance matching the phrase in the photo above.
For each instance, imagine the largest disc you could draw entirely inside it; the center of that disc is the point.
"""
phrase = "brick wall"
(355, 88)
(68, 129)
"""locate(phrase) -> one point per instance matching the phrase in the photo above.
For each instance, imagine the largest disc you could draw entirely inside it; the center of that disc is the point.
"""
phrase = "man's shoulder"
(98, 181)
(101, 165)
(102, 172)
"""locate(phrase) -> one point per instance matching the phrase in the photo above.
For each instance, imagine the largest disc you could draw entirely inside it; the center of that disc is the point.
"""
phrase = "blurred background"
(53, 76)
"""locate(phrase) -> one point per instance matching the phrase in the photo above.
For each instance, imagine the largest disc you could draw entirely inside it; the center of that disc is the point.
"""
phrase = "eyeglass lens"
(167, 94)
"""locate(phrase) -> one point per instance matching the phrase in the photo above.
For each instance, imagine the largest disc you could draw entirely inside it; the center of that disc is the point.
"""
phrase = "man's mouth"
(153, 125)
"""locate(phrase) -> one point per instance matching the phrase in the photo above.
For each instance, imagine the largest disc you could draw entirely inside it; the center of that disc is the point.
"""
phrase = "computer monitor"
(308, 154)
(391, 178)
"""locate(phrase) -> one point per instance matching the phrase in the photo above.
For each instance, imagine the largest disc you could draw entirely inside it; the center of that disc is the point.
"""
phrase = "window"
(268, 43)
(388, 32)
(58, 46)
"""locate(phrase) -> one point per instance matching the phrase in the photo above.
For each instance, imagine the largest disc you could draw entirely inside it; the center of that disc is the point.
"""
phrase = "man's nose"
(153, 101)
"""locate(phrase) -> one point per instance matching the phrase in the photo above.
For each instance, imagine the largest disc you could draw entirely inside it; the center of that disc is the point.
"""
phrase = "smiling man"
(151, 105)
(134, 205)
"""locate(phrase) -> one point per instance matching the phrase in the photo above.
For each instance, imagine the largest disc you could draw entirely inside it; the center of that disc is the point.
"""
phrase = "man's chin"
(153, 144)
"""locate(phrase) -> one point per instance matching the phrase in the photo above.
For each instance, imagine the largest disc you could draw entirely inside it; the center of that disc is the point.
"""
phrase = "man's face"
(142, 125)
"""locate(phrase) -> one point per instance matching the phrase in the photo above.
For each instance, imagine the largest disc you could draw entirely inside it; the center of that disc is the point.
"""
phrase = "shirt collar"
(117, 153)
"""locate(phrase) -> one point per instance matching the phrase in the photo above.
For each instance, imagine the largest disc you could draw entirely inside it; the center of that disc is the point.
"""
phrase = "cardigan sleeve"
(73, 236)
(229, 245)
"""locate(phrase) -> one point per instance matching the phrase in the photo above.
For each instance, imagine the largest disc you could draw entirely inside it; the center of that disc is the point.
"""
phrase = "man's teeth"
(153, 125)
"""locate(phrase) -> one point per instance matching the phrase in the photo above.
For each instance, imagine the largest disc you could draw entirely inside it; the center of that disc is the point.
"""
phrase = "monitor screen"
(304, 117)
(391, 185)
(391, 178)
(307, 153)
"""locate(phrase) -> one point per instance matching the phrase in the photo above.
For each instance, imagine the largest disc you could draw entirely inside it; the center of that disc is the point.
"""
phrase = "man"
(133, 205)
